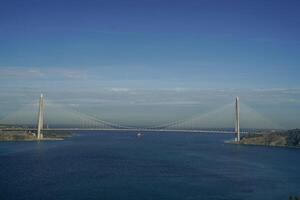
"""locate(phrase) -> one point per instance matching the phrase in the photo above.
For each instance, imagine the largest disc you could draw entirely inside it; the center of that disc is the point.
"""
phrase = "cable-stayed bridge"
(50, 117)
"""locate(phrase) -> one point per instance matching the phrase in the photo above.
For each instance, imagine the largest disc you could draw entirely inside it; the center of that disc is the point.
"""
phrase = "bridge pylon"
(40, 123)
(237, 120)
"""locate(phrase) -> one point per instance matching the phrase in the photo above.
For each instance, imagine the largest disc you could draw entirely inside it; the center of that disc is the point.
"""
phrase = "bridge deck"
(138, 130)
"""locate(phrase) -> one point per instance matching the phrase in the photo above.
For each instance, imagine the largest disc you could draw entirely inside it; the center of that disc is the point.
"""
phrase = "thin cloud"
(119, 89)
(36, 73)
(15, 72)
(72, 74)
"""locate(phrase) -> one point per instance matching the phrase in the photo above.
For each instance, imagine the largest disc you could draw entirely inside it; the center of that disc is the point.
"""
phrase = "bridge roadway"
(133, 129)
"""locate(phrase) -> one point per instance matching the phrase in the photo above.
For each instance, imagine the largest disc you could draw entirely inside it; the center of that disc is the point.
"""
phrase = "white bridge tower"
(237, 120)
(40, 118)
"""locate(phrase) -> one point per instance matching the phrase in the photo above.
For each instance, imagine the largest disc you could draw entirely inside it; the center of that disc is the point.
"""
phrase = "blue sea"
(168, 166)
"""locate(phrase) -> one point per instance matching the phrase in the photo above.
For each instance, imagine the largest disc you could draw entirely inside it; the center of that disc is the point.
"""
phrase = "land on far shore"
(21, 135)
(289, 138)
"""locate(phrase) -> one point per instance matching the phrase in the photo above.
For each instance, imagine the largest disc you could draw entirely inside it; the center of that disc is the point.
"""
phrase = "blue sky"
(136, 49)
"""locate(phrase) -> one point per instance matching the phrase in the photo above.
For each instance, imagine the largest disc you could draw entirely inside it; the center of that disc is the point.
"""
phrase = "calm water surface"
(167, 166)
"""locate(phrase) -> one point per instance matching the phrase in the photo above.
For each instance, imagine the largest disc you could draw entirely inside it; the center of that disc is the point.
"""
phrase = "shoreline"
(261, 145)
(32, 140)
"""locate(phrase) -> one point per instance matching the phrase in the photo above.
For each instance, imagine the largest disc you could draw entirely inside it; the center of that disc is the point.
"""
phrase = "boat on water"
(139, 134)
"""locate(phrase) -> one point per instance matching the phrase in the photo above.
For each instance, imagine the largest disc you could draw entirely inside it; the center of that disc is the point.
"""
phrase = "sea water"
(117, 165)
